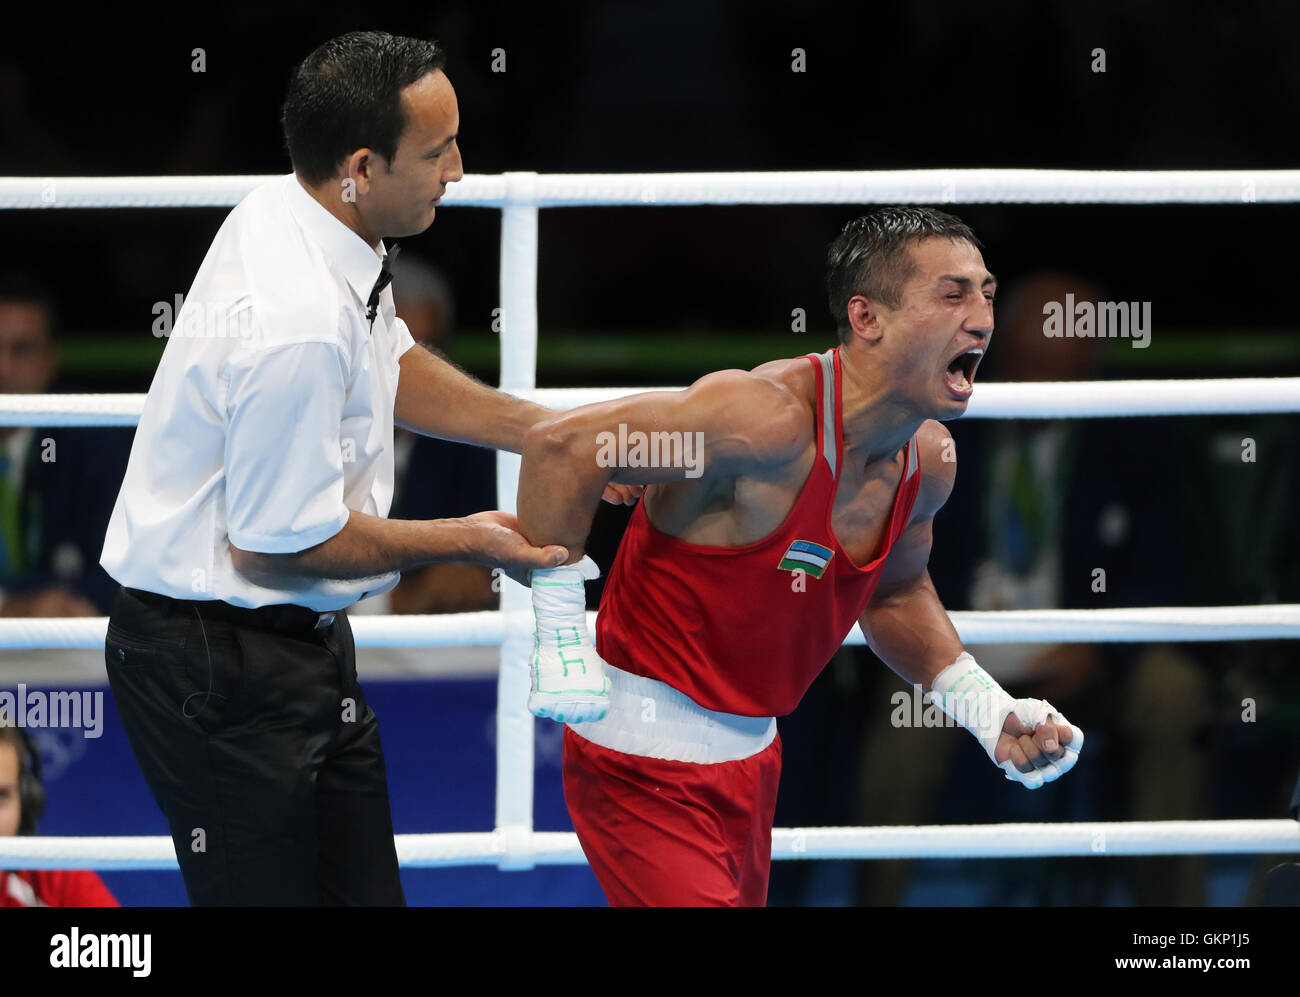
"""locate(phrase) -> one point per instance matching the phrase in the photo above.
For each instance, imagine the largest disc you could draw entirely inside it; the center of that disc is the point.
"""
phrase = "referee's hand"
(499, 544)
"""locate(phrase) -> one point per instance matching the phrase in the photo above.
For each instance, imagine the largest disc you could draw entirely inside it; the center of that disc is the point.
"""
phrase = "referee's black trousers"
(256, 741)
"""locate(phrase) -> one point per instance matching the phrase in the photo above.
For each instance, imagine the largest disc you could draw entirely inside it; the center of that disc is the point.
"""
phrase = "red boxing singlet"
(733, 627)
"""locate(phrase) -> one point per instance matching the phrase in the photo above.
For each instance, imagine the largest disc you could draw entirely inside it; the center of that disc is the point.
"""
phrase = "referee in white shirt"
(253, 508)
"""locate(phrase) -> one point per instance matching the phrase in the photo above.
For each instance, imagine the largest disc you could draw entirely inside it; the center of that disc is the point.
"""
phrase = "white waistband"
(652, 719)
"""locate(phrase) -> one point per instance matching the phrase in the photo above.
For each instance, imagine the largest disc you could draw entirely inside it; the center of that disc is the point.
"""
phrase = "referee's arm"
(436, 398)
(368, 545)
(284, 485)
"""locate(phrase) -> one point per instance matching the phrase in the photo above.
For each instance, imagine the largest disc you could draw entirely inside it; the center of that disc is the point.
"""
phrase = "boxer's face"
(945, 313)
(10, 805)
(401, 195)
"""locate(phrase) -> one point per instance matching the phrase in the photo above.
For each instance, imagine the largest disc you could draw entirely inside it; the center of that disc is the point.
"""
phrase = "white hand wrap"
(968, 694)
(568, 677)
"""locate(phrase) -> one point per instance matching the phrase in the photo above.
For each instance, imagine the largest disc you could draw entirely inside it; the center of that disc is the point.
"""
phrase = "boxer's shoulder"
(937, 455)
(794, 380)
(762, 411)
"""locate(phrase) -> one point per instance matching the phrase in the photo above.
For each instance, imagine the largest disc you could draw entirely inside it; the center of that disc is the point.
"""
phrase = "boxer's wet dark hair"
(346, 95)
(869, 257)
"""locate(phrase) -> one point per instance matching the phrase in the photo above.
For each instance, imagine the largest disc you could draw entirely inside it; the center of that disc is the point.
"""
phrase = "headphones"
(31, 783)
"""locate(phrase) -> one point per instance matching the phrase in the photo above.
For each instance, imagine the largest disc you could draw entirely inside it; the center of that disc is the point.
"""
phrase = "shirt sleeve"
(284, 463)
(402, 338)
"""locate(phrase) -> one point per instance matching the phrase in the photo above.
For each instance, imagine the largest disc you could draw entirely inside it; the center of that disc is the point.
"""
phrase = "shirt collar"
(342, 247)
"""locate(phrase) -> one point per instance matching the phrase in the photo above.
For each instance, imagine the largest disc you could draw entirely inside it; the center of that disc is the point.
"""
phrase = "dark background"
(704, 86)
(692, 85)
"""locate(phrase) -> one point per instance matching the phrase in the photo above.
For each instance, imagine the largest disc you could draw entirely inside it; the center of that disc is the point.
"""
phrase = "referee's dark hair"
(346, 95)
(869, 257)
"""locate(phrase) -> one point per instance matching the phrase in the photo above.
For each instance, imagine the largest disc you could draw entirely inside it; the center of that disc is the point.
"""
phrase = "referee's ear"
(357, 168)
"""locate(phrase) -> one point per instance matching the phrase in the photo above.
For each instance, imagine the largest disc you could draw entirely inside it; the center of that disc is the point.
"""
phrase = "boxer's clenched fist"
(1037, 744)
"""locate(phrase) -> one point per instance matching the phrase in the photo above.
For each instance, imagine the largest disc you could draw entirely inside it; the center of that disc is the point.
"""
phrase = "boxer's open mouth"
(961, 372)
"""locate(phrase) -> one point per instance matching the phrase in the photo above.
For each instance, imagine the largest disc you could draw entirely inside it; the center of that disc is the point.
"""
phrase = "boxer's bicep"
(748, 423)
(906, 566)
(938, 465)
(905, 623)
(725, 424)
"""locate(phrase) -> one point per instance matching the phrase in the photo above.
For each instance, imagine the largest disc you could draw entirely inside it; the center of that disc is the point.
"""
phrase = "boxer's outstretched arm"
(905, 623)
(746, 424)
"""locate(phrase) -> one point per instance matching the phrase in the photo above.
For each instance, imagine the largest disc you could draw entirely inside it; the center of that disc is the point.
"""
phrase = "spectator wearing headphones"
(22, 801)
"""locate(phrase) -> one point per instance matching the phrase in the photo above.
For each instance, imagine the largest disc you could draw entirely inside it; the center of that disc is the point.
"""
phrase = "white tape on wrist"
(568, 682)
(968, 694)
(560, 594)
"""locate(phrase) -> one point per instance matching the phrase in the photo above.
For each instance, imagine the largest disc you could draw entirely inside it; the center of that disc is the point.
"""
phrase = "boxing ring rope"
(1016, 626)
(952, 841)
(987, 186)
(514, 844)
(995, 400)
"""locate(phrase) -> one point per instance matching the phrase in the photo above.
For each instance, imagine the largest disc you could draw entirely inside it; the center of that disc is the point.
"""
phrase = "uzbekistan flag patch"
(807, 557)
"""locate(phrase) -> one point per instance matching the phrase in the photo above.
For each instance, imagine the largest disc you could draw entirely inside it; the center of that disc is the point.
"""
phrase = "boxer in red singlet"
(806, 507)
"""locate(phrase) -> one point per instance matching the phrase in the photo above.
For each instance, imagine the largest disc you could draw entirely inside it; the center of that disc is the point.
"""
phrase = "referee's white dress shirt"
(270, 414)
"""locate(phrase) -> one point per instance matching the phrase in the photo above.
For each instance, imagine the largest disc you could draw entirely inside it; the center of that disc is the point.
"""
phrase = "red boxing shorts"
(666, 832)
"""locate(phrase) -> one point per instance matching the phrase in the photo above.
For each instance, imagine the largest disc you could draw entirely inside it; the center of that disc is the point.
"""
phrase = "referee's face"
(403, 198)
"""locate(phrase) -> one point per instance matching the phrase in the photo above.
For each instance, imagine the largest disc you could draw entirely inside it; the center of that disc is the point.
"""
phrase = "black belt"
(282, 618)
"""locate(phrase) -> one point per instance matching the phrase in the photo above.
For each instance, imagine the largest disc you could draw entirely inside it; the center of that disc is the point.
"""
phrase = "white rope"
(994, 400)
(1094, 626)
(449, 630)
(1173, 837)
(1026, 626)
(1059, 399)
(1071, 399)
(71, 410)
(810, 187)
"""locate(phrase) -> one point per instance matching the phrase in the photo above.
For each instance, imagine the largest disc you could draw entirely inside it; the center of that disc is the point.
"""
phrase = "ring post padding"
(518, 325)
